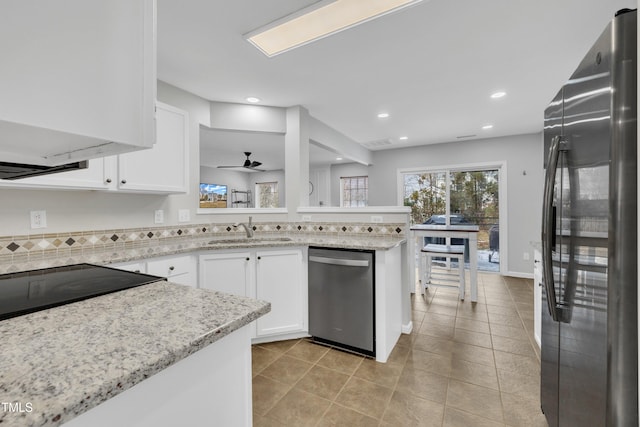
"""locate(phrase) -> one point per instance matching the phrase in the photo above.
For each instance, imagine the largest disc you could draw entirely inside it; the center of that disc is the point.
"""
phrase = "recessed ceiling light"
(317, 21)
(485, 127)
(338, 158)
(403, 138)
(498, 95)
(253, 99)
(383, 115)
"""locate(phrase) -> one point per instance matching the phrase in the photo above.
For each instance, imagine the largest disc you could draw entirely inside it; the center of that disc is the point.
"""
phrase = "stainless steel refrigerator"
(589, 370)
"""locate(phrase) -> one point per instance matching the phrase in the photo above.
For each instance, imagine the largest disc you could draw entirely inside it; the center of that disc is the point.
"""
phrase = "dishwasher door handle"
(340, 261)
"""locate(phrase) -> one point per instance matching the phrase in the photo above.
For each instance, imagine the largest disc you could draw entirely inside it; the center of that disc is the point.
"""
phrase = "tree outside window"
(458, 197)
(354, 191)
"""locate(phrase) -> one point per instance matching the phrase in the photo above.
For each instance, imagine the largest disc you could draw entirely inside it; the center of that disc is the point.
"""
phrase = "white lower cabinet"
(181, 269)
(211, 387)
(136, 266)
(278, 276)
(227, 272)
(281, 279)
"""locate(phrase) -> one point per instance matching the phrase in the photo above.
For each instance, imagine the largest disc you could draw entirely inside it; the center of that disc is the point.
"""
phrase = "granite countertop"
(66, 360)
(186, 245)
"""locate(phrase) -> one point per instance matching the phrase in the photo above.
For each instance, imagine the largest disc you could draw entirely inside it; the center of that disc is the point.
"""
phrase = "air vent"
(375, 144)
(465, 136)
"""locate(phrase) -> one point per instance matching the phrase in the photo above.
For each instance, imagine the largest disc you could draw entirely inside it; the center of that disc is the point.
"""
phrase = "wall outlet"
(525, 256)
(306, 218)
(184, 215)
(159, 216)
(376, 218)
(38, 219)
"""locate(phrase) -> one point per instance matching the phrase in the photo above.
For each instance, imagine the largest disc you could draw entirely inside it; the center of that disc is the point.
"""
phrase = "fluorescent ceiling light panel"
(319, 20)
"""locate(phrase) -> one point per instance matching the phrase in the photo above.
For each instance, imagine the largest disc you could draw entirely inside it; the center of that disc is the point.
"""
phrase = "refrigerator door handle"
(548, 225)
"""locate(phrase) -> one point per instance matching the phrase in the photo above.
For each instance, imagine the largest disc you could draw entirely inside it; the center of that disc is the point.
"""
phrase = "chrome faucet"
(248, 228)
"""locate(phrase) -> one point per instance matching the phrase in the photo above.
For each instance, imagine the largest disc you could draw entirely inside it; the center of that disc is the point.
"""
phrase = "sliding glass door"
(458, 196)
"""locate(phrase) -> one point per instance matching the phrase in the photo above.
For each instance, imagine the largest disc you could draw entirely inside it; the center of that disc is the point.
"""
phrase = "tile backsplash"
(25, 247)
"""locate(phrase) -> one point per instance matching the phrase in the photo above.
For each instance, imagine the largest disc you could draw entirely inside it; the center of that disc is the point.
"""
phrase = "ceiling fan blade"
(248, 164)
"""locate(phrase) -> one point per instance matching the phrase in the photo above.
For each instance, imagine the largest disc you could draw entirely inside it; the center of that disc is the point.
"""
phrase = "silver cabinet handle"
(547, 226)
(340, 261)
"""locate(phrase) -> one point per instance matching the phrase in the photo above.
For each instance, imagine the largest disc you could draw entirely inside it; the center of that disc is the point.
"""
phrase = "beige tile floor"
(465, 364)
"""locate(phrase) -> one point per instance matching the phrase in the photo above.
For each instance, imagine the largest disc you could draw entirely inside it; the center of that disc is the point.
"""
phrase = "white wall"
(522, 155)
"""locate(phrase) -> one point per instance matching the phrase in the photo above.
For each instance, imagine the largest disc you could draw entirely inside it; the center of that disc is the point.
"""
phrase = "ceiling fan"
(248, 164)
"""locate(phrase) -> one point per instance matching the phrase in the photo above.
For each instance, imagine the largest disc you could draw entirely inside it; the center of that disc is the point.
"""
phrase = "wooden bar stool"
(442, 251)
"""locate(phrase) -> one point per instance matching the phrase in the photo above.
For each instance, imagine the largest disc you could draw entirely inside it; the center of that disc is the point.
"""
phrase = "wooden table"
(469, 232)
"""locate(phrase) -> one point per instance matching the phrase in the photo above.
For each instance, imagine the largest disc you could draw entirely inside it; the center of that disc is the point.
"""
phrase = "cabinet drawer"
(170, 267)
(136, 267)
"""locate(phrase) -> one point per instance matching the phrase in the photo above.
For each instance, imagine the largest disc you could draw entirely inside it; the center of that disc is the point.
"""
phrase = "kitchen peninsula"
(158, 354)
(102, 352)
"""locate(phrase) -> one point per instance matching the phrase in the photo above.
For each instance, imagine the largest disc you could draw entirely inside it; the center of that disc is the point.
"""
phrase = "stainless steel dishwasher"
(342, 298)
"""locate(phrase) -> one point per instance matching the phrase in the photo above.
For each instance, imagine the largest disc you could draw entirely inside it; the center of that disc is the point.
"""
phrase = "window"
(354, 191)
(266, 194)
(458, 197)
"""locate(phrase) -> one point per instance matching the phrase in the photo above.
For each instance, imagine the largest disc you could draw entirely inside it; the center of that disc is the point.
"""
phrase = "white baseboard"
(406, 329)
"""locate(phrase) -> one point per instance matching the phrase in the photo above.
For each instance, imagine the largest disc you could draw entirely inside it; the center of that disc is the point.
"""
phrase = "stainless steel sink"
(252, 240)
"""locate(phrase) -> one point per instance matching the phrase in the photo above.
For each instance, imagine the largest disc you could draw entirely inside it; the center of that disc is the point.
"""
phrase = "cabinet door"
(227, 272)
(80, 67)
(163, 168)
(178, 269)
(280, 280)
(97, 176)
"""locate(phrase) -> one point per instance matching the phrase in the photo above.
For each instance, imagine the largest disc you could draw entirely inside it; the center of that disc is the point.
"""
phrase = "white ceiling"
(226, 148)
(432, 66)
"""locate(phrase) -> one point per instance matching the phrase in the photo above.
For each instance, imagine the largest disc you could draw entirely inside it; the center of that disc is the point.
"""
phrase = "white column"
(296, 159)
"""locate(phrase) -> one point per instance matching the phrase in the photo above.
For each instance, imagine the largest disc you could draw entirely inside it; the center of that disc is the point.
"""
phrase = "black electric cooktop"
(29, 291)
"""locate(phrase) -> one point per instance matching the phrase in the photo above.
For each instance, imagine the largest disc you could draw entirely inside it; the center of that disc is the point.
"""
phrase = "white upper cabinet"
(78, 79)
(163, 168)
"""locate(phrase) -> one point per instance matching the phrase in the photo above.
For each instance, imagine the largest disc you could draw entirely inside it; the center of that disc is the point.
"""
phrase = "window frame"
(342, 190)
